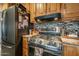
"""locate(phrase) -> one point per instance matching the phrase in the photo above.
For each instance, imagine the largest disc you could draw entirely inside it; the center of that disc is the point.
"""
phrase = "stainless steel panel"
(0, 30)
(10, 25)
(8, 51)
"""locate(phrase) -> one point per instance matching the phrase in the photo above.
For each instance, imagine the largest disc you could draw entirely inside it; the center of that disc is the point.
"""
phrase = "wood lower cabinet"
(25, 46)
(25, 52)
(70, 46)
(71, 50)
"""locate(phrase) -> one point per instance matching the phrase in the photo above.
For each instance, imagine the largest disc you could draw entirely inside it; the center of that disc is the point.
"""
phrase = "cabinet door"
(53, 8)
(40, 9)
(71, 50)
(70, 10)
(3, 6)
(27, 6)
(32, 12)
(47, 8)
(25, 47)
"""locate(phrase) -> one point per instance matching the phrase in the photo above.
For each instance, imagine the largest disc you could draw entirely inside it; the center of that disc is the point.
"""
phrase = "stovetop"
(53, 42)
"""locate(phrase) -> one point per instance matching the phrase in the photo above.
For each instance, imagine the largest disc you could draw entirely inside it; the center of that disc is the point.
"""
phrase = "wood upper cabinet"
(47, 8)
(31, 9)
(3, 6)
(27, 6)
(53, 8)
(32, 12)
(70, 10)
(40, 9)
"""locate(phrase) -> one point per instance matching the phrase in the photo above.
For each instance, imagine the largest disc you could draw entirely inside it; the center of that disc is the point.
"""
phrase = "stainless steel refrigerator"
(15, 23)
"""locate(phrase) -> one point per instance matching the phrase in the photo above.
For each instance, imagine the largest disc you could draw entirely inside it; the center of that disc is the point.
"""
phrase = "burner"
(55, 41)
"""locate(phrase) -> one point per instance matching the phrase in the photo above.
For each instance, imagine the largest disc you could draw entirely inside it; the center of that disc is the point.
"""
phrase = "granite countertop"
(70, 40)
(30, 35)
(77, 38)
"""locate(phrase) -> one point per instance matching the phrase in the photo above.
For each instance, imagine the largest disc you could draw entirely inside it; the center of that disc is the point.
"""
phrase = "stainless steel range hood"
(49, 17)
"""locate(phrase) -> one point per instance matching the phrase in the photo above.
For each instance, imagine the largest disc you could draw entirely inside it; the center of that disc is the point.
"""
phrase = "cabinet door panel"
(71, 50)
(70, 10)
(53, 8)
(25, 47)
(25, 43)
(32, 12)
(3, 6)
(40, 9)
(27, 6)
(47, 8)
(25, 52)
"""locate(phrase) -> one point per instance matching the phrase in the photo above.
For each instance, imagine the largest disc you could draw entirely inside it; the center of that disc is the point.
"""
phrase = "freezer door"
(10, 25)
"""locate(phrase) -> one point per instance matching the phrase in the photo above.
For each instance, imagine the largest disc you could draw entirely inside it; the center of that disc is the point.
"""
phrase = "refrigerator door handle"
(3, 26)
(7, 46)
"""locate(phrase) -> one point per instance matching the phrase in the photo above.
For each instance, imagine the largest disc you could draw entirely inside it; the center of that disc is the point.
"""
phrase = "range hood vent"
(50, 17)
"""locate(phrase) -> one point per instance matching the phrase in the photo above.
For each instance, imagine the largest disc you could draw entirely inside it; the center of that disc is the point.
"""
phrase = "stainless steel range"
(48, 41)
(49, 37)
